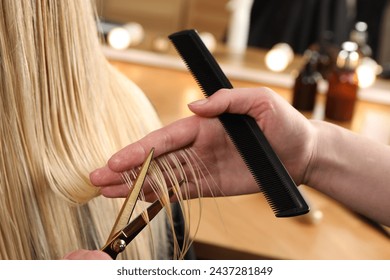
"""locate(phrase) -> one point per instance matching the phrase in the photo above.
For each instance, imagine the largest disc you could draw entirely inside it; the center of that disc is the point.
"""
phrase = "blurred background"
(299, 23)
(299, 48)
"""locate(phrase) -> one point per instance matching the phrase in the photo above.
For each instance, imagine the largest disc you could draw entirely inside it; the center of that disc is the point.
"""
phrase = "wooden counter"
(244, 227)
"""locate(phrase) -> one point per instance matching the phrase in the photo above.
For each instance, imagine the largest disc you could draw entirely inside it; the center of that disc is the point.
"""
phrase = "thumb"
(212, 106)
(235, 101)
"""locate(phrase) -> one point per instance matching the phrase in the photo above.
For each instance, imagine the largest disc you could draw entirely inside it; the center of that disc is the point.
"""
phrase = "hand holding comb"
(273, 179)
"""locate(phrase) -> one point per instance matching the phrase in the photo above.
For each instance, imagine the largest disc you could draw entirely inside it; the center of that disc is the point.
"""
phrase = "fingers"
(171, 138)
(113, 191)
(184, 133)
(87, 255)
(105, 176)
(113, 184)
(237, 101)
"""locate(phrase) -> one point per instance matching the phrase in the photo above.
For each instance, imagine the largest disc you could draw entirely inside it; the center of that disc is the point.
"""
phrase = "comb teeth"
(279, 190)
(273, 179)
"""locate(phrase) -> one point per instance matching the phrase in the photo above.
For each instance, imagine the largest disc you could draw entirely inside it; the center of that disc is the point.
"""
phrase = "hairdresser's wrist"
(314, 163)
(329, 159)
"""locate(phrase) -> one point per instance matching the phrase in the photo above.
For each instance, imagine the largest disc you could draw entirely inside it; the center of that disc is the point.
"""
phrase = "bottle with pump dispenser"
(305, 86)
(343, 84)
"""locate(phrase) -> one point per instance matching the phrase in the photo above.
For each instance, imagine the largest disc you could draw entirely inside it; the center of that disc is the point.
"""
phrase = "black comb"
(273, 179)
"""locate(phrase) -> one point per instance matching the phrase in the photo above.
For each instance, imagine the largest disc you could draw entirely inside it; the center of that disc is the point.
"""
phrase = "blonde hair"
(64, 110)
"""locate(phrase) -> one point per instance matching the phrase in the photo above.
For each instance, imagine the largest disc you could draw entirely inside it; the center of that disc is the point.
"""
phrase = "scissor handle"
(119, 242)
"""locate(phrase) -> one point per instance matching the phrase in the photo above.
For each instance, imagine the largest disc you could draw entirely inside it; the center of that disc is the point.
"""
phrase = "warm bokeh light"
(160, 44)
(279, 57)
(367, 72)
(136, 31)
(209, 40)
(122, 37)
(119, 38)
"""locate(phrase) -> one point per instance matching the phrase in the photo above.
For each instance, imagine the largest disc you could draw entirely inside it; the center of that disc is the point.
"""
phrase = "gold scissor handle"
(119, 242)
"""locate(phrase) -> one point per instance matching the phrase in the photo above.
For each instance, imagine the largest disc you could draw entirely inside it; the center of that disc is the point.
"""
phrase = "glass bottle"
(343, 84)
(328, 52)
(305, 86)
(359, 35)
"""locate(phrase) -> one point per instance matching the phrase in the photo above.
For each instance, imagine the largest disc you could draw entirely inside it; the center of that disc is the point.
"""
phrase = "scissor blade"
(136, 226)
(131, 230)
(131, 200)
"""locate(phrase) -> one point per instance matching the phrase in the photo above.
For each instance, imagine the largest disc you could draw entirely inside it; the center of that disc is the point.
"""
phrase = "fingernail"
(199, 102)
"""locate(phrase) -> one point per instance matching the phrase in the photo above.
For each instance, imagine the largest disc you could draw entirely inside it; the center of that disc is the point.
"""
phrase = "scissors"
(124, 231)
